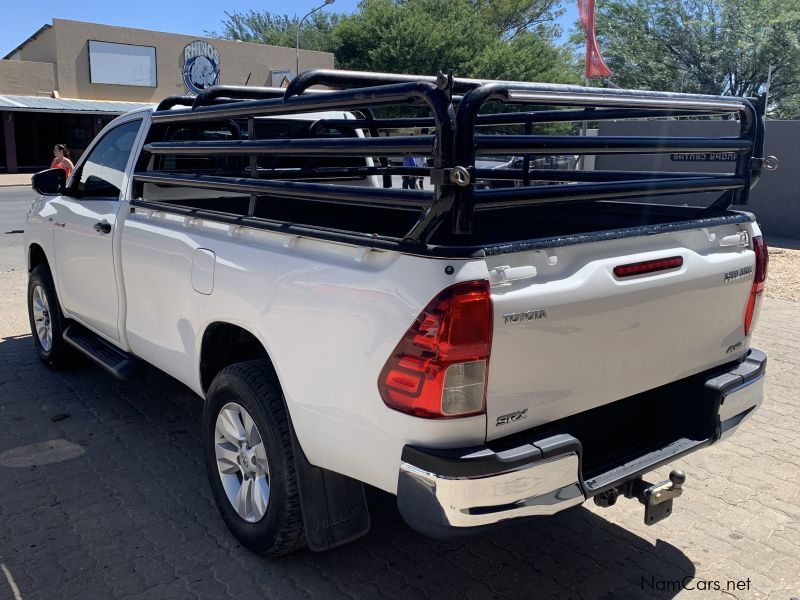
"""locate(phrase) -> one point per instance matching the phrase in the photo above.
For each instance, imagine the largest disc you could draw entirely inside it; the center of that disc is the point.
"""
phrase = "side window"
(101, 174)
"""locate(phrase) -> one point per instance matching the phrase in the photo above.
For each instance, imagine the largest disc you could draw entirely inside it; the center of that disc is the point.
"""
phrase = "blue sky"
(191, 18)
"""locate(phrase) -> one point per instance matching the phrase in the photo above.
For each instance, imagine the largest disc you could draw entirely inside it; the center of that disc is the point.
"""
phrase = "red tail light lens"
(759, 279)
(648, 266)
(439, 368)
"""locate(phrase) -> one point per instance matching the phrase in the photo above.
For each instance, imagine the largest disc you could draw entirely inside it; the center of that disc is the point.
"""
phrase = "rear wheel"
(46, 320)
(248, 452)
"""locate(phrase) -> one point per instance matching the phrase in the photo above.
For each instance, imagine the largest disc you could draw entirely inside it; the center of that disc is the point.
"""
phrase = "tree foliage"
(515, 17)
(507, 39)
(262, 27)
(705, 46)
(423, 36)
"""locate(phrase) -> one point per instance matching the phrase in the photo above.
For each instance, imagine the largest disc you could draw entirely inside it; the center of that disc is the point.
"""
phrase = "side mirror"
(50, 182)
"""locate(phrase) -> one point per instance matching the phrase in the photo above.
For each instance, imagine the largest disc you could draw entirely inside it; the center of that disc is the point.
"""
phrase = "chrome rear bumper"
(741, 391)
(542, 488)
(440, 490)
(443, 491)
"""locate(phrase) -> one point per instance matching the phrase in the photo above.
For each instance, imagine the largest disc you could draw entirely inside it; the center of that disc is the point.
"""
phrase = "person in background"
(409, 181)
(61, 159)
(421, 163)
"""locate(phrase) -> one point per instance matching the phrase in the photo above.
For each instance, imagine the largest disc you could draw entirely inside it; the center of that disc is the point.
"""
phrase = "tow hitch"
(657, 498)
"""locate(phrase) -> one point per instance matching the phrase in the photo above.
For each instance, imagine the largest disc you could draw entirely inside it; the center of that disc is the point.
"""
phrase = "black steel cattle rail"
(457, 110)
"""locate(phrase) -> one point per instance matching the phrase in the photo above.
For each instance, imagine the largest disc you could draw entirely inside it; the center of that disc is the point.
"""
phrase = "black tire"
(59, 354)
(253, 385)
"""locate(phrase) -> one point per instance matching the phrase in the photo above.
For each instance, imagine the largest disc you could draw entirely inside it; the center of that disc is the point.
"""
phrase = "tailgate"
(569, 335)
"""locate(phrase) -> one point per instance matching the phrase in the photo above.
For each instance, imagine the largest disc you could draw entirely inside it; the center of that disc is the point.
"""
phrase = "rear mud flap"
(334, 506)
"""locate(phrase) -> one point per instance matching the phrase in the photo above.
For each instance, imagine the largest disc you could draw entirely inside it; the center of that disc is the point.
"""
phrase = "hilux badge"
(737, 274)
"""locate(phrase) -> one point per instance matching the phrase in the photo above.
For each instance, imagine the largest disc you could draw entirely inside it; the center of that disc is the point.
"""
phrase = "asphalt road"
(14, 203)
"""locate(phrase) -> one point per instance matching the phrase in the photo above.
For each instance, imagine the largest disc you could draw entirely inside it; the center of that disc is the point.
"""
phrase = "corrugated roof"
(41, 103)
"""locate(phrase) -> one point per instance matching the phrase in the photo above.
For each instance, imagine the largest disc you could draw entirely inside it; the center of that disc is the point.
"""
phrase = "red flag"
(595, 65)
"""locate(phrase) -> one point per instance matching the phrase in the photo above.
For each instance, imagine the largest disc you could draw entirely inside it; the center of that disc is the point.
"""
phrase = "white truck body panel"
(360, 302)
(84, 263)
(328, 314)
(605, 338)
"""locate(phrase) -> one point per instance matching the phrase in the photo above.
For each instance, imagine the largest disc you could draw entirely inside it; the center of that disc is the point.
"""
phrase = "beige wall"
(237, 60)
(27, 78)
(40, 49)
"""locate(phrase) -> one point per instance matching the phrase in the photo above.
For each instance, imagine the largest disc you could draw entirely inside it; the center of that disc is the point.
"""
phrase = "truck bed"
(496, 232)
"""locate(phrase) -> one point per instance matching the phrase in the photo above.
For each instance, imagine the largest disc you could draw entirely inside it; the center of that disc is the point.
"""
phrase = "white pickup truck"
(484, 353)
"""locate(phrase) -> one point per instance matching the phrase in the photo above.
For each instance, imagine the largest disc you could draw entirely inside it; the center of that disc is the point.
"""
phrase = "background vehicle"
(501, 164)
(484, 354)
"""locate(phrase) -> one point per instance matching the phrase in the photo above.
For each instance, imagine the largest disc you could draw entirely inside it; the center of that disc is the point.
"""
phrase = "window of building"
(122, 64)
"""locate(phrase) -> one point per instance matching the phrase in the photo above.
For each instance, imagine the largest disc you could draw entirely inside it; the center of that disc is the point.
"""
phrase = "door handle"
(102, 227)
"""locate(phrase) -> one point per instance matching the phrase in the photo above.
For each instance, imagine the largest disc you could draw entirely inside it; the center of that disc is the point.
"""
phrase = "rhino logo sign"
(200, 66)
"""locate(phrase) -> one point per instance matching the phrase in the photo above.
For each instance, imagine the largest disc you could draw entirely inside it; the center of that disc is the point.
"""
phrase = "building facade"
(67, 80)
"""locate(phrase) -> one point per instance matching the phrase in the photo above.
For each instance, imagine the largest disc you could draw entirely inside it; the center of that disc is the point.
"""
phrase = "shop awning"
(67, 105)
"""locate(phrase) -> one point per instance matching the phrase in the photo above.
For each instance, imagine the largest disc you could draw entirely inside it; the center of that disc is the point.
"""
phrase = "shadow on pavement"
(131, 514)
(574, 554)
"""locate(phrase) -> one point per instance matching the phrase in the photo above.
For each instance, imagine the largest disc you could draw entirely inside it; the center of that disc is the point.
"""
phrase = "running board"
(117, 362)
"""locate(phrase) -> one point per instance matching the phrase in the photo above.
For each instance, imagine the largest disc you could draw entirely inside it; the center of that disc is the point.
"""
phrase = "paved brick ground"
(112, 502)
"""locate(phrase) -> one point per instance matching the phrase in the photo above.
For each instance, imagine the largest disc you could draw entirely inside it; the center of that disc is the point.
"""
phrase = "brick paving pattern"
(112, 502)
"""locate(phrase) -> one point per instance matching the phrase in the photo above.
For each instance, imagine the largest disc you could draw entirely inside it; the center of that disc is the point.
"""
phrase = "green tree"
(262, 27)
(705, 46)
(501, 39)
(515, 17)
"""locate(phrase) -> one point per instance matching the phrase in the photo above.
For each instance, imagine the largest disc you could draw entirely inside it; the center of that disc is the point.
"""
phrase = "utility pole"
(297, 38)
(584, 128)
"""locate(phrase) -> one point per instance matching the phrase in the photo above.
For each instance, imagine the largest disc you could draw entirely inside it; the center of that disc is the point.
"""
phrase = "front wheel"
(46, 320)
(248, 453)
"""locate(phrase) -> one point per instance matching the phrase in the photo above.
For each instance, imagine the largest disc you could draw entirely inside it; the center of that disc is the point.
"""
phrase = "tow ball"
(657, 498)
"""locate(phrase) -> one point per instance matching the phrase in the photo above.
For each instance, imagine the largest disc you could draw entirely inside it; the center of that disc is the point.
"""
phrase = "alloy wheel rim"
(41, 318)
(241, 461)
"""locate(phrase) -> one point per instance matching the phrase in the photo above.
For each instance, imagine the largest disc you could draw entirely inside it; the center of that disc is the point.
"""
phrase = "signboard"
(703, 156)
(122, 64)
(200, 66)
(282, 77)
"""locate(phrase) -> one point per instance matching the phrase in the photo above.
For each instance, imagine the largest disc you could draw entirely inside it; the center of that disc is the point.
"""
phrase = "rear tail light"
(439, 367)
(759, 278)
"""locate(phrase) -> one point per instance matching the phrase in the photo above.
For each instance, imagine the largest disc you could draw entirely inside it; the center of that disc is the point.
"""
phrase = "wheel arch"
(37, 256)
(334, 506)
(224, 344)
